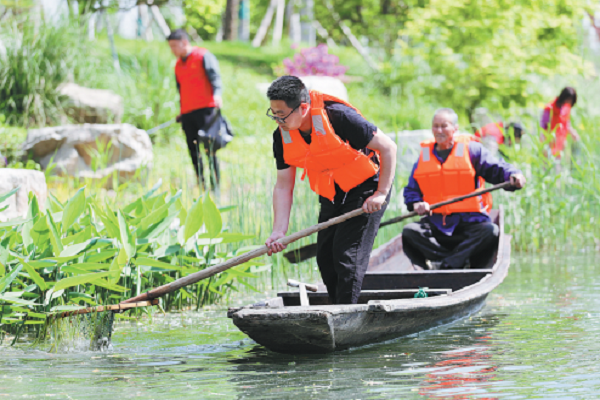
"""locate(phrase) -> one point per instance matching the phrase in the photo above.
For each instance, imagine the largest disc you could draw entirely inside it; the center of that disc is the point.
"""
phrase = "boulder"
(325, 84)
(94, 106)
(26, 180)
(409, 147)
(90, 150)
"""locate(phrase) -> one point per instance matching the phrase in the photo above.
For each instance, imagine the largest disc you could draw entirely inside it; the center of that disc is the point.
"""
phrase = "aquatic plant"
(84, 253)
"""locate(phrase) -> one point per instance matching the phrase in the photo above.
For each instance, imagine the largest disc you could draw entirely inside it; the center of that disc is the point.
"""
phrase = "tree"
(230, 29)
(486, 52)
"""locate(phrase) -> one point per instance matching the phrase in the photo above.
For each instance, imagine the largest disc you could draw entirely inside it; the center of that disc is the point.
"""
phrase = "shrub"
(314, 61)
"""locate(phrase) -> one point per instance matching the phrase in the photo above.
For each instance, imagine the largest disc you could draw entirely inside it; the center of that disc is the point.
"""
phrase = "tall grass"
(557, 208)
(36, 62)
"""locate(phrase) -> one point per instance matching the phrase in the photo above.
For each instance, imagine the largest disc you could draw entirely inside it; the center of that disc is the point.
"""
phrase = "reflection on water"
(535, 338)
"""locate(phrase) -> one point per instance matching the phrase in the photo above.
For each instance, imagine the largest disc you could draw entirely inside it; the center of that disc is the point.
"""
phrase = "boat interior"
(392, 276)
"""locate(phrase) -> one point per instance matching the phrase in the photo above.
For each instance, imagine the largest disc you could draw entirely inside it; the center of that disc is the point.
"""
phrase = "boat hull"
(285, 328)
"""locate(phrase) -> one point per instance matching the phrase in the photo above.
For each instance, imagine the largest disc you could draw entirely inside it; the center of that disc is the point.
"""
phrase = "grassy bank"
(558, 208)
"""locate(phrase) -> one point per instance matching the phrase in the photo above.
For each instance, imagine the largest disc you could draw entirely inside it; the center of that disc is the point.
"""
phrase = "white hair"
(451, 113)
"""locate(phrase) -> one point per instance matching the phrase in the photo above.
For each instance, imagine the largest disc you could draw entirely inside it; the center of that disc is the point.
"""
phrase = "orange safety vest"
(495, 129)
(195, 89)
(328, 159)
(455, 177)
(559, 124)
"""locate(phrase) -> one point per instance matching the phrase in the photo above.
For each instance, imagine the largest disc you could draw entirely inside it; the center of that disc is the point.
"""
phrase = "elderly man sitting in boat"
(452, 165)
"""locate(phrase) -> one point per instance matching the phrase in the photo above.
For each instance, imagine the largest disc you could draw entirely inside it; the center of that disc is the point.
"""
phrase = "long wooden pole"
(112, 307)
(208, 272)
(445, 203)
(305, 252)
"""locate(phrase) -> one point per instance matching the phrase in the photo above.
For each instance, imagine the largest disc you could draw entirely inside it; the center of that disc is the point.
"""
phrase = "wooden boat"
(386, 309)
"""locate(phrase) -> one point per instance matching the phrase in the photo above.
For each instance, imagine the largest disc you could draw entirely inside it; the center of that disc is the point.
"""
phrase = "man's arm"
(283, 197)
(211, 68)
(492, 169)
(387, 153)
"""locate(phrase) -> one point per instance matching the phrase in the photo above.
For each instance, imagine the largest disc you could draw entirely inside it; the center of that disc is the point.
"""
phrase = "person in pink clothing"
(556, 119)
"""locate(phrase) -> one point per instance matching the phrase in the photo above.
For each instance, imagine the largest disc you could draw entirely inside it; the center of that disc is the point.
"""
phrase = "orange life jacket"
(455, 177)
(195, 89)
(328, 159)
(559, 124)
(495, 129)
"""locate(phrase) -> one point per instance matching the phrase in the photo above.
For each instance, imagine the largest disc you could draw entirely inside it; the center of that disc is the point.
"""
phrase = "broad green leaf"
(32, 213)
(55, 205)
(166, 250)
(39, 264)
(79, 237)
(156, 186)
(40, 234)
(3, 260)
(103, 255)
(154, 217)
(234, 237)
(183, 212)
(212, 217)
(67, 308)
(60, 260)
(127, 238)
(79, 280)
(35, 277)
(57, 246)
(75, 206)
(155, 263)
(112, 229)
(78, 248)
(3, 208)
(116, 267)
(226, 208)
(109, 286)
(8, 194)
(52, 294)
(194, 220)
(7, 280)
(161, 227)
(16, 300)
(14, 222)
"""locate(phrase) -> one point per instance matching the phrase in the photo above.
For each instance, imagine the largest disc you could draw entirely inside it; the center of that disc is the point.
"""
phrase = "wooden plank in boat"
(453, 279)
(322, 298)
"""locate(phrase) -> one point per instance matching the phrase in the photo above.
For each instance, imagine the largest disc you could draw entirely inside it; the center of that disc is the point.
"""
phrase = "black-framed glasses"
(281, 120)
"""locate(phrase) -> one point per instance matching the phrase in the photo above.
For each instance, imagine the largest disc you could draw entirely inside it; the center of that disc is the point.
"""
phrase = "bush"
(37, 61)
(314, 61)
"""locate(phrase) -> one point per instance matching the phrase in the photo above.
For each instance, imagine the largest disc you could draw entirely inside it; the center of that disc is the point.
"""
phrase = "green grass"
(555, 210)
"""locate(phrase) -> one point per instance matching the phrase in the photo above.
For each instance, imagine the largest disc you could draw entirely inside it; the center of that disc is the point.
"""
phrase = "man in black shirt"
(344, 249)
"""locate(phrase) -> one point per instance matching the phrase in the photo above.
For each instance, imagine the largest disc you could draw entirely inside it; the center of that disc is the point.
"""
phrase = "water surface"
(537, 337)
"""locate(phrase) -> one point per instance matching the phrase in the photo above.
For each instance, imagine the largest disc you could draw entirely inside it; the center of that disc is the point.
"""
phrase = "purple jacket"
(486, 165)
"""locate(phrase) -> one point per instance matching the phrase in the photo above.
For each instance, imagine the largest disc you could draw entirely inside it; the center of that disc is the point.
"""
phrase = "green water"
(537, 337)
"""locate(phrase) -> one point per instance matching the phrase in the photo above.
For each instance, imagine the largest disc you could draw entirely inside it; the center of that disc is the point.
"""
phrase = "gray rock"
(95, 106)
(409, 147)
(26, 180)
(91, 150)
(325, 84)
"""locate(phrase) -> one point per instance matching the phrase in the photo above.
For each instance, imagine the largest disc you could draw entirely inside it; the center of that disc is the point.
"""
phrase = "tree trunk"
(231, 18)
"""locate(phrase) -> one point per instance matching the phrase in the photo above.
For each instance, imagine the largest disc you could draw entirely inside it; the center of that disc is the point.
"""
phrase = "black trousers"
(474, 242)
(343, 250)
(191, 123)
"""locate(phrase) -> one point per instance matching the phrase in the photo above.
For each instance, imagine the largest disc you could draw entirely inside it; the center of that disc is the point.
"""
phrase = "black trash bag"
(218, 133)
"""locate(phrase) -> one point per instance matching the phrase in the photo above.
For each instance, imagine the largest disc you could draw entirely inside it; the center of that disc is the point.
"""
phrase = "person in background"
(450, 166)
(556, 119)
(349, 163)
(199, 84)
